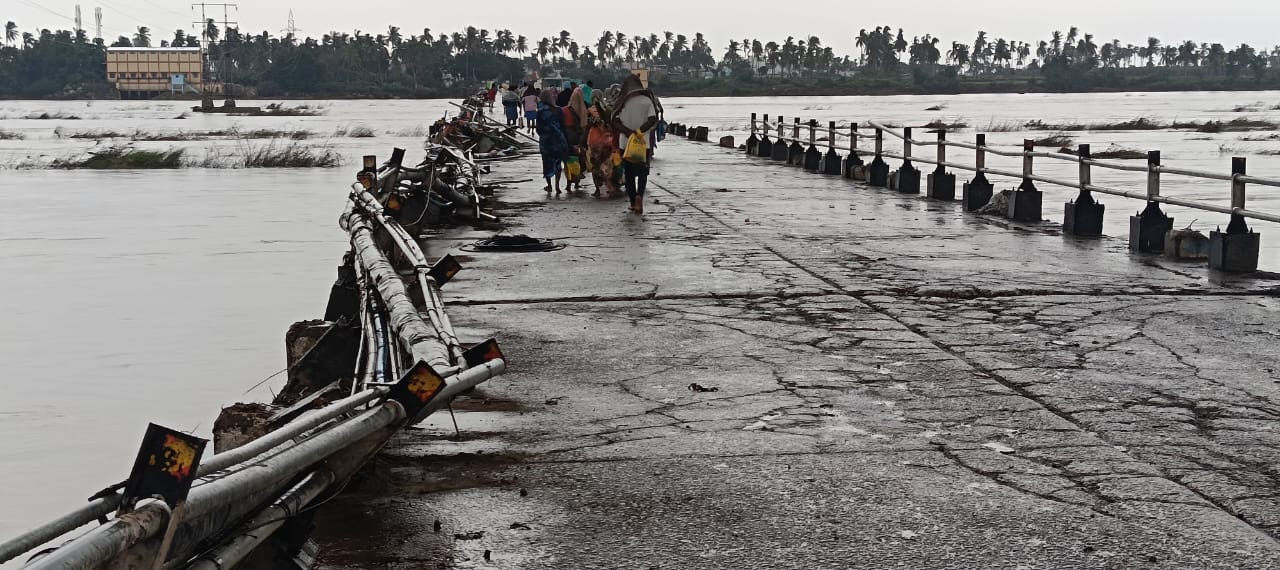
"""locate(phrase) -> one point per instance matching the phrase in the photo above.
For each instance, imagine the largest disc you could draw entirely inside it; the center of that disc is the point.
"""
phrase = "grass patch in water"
(1055, 140)
(273, 155)
(1236, 125)
(942, 125)
(1111, 153)
(11, 136)
(123, 158)
(59, 116)
(279, 110)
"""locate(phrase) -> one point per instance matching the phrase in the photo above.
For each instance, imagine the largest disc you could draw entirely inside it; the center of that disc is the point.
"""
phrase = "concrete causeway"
(777, 369)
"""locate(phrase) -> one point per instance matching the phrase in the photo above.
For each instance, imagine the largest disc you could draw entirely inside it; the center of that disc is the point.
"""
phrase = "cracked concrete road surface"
(776, 369)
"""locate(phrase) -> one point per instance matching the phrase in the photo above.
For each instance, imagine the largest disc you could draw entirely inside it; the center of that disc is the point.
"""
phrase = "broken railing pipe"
(253, 533)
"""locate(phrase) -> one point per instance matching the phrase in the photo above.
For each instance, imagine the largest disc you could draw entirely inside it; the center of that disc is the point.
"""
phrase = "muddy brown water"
(161, 296)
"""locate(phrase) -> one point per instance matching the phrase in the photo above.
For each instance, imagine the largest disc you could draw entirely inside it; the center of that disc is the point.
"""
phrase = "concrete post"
(831, 161)
(780, 146)
(753, 142)
(977, 192)
(907, 179)
(1026, 202)
(813, 157)
(1236, 250)
(940, 184)
(1147, 230)
(765, 147)
(795, 152)
(1084, 215)
(853, 167)
(878, 170)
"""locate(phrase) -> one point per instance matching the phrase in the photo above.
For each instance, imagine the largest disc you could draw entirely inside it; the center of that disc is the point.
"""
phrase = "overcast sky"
(836, 22)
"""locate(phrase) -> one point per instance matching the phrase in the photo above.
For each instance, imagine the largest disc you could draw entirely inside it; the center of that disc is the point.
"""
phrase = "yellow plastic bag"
(637, 151)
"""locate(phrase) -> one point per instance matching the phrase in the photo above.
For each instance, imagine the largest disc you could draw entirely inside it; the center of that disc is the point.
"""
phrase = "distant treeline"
(64, 63)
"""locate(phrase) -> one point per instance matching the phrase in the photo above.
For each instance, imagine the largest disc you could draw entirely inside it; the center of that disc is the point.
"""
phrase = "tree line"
(47, 63)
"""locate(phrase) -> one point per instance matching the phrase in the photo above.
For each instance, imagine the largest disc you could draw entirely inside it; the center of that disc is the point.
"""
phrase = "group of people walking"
(610, 134)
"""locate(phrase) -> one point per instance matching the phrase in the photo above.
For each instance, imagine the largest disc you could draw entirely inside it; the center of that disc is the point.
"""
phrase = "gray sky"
(835, 21)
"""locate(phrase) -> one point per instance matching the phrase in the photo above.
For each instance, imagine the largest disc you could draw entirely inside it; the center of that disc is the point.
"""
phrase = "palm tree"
(10, 32)
(393, 37)
(143, 37)
(522, 45)
(210, 31)
(544, 47)
(1151, 50)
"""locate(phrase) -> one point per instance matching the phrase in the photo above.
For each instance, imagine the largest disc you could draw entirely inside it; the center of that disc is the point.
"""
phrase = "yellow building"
(148, 72)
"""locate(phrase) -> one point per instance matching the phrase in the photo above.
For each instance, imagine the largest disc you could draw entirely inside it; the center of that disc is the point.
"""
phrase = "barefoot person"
(601, 146)
(551, 141)
(530, 102)
(636, 112)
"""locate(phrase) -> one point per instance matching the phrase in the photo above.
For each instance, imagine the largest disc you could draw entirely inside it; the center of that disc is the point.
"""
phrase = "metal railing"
(1238, 178)
(283, 469)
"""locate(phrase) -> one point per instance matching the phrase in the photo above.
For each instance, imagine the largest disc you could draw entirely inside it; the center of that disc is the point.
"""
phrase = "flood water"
(130, 297)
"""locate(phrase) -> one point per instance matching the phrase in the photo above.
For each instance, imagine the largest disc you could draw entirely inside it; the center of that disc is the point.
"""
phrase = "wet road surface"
(889, 382)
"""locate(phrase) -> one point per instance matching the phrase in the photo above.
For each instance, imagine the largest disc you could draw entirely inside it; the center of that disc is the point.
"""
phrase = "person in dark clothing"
(562, 100)
(551, 140)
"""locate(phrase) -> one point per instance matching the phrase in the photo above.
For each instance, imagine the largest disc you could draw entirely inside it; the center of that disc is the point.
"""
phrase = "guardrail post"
(753, 142)
(853, 166)
(940, 185)
(977, 192)
(878, 170)
(1026, 202)
(765, 147)
(1236, 250)
(780, 146)
(1084, 215)
(813, 157)
(831, 161)
(907, 179)
(1148, 229)
(795, 153)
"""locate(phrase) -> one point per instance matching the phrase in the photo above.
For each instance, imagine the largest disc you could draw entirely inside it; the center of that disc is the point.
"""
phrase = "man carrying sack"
(634, 117)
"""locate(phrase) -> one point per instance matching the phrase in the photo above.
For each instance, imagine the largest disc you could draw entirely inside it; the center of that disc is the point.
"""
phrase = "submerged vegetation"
(276, 153)
(11, 136)
(184, 136)
(123, 158)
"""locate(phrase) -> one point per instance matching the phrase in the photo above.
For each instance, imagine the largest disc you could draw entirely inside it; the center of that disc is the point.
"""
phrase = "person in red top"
(491, 95)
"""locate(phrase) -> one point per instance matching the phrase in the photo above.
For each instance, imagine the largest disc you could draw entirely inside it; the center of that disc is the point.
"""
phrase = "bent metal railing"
(272, 478)
(1153, 168)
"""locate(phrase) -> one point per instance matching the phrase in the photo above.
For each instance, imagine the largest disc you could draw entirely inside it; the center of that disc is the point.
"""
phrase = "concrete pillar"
(1026, 202)
(727, 142)
(795, 152)
(940, 184)
(878, 170)
(780, 146)
(702, 134)
(1236, 250)
(1083, 217)
(813, 157)
(907, 178)
(853, 165)
(1147, 229)
(831, 160)
(765, 148)
(753, 142)
(976, 193)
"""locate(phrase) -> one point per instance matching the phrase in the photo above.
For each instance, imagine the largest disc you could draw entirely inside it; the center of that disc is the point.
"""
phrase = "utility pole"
(224, 69)
(291, 31)
(97, 15)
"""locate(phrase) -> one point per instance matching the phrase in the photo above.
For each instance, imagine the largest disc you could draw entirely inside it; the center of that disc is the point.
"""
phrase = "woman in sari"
(551, 141)
(601, 146)
(575, 132)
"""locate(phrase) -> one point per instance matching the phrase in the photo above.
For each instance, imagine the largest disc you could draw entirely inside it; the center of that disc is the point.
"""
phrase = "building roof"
(146, 49)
